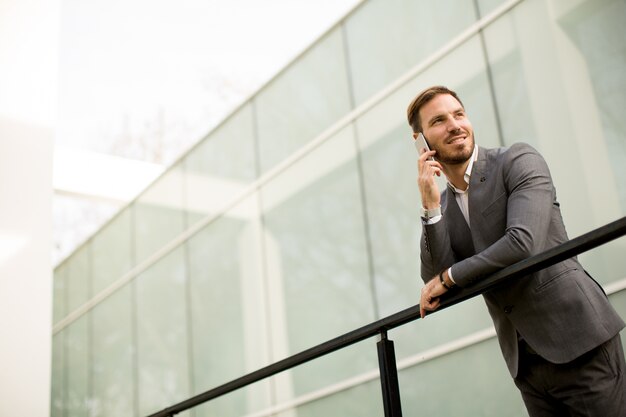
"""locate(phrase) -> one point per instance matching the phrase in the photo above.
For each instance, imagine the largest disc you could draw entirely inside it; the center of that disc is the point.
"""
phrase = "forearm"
(504, 252)
(529, 210)
(436, 252)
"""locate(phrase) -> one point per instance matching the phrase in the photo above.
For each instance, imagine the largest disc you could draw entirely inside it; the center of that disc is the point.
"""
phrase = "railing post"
(389, 376)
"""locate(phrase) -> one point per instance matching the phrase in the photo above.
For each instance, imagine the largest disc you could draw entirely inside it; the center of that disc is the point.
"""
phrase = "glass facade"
(296, 219)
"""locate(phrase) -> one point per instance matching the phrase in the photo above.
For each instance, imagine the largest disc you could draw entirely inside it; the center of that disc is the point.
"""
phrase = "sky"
(140, 81)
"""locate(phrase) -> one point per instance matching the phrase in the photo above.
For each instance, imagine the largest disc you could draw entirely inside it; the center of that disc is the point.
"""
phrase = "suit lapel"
(479, 195)
(476, 188)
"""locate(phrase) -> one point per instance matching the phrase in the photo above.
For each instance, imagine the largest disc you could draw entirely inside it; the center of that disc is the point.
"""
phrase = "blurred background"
(192, 190)
(140, 81)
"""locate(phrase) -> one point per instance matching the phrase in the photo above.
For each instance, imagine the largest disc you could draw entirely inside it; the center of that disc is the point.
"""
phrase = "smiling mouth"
(457, 139)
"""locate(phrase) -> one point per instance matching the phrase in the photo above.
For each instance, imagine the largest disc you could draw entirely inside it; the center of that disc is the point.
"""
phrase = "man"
(557, 331)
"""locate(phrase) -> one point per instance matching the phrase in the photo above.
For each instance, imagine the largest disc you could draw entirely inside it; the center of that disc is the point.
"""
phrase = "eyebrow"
(459, 109)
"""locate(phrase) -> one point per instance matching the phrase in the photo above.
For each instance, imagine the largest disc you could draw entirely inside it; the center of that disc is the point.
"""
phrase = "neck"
(455, 173)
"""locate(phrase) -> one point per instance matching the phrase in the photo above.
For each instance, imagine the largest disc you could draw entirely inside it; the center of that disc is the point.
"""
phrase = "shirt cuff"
(450, 275)
(432, 220)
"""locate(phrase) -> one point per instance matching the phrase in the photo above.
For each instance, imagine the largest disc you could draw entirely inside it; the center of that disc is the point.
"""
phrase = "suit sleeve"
(528, 212)
(436, 251)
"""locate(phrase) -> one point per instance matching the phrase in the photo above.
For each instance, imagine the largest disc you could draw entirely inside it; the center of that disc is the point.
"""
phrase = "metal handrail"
(583, 243)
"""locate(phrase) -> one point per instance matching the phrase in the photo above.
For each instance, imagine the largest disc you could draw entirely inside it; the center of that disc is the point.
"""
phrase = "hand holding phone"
(420, 143)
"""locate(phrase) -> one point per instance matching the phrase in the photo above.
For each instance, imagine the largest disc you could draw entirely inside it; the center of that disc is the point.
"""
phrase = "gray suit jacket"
(561, 312)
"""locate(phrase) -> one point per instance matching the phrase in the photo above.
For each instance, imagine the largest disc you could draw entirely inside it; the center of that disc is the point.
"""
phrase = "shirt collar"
(468, 172)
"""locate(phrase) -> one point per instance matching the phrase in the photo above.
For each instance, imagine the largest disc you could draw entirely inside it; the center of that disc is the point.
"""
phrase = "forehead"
(440, 104)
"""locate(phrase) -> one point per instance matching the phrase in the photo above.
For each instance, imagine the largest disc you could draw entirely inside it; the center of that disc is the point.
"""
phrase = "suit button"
(508, 309)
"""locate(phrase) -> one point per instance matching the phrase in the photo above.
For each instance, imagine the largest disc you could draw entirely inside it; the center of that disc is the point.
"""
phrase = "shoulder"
(516, 163)
(510, 152)
(522, 164)
(519, 154)
(521, 148)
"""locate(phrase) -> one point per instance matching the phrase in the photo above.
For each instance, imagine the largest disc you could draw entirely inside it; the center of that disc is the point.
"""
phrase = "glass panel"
(77, 368)
(480, 386)
(386, 38)
(618, 300)
(301, 102)
(596, 30)
(487, 6)
(158, 214)
(559, 69)
(162, 352)
(112, 251)
(229, 325)
(228, 406)
(220, 167)
(59, 293)
(112, 356)
(58, 385)
(363, 400)
(78, 278)
(316, 257)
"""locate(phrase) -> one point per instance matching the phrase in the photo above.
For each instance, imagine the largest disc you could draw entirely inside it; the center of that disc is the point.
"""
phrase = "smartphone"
(420, 143)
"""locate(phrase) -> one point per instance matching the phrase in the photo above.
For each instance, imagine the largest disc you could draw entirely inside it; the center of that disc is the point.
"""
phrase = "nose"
(453, 125)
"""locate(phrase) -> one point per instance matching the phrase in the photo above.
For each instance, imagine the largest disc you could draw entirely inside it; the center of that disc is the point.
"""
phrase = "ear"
(415, 135)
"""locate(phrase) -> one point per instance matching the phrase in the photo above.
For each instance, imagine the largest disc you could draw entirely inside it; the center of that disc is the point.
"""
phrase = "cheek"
(434, 134)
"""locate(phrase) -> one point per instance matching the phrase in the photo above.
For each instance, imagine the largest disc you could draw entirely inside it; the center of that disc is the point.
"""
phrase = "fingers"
(427, 302)
(426, 170)
(428, 306)
(427, 163)
(431, 168)
(426, 155)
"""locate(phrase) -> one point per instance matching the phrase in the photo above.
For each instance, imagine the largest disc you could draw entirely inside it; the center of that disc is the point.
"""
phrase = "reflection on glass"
(111, 251)
(481, 385)
(363, 401)
(220, 167)
(78, 278)
(386, 38)
(158, 215)
(487, 6)
(228, 405)
(316, 257)
(227, 308)
(162, 353)
(77, 399)
(59, 293)
(596, 29)
(307, 98)
(112, 364)
(57, 381)
(618, 300)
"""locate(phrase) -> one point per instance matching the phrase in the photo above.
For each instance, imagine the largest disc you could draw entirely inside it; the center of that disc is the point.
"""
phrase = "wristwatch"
(428, 214)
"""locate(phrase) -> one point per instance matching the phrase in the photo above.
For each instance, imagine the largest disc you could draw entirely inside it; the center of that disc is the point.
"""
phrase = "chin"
(457, 157)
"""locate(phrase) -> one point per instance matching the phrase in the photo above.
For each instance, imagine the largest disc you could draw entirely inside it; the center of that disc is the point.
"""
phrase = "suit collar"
(479, 170)
(476, 166)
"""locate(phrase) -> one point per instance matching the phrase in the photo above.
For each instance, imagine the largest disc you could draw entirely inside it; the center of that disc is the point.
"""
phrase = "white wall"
(25, 269)
(28, 56)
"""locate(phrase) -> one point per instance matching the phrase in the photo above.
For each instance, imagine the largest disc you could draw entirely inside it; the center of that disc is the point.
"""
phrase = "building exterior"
(296, 219)
(28, 63)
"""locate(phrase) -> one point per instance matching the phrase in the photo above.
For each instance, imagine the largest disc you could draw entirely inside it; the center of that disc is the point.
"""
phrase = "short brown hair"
(413, 111)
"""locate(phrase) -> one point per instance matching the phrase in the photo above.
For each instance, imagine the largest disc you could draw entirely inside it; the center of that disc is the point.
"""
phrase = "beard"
(456, 156)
